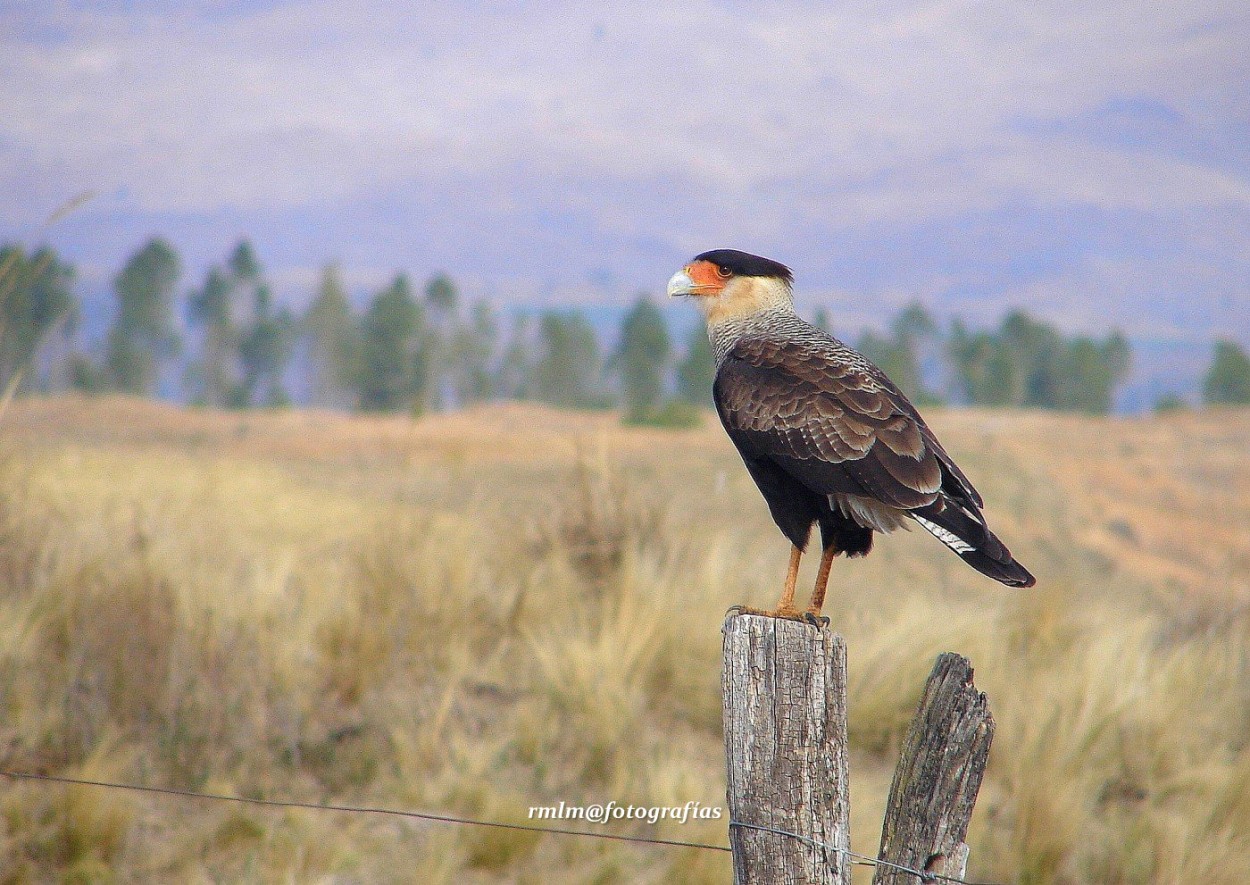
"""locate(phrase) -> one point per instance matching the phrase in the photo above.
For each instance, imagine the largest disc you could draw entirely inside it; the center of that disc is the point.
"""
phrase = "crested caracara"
(824, 433)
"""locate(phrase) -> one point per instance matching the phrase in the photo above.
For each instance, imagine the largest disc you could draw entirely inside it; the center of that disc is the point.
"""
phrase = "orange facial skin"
(708, 278)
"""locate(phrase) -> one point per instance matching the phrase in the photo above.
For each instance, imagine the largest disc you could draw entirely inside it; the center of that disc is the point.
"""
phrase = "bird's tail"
(974, 542)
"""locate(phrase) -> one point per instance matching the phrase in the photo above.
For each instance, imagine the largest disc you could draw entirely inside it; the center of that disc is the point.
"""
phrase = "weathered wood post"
(784, 692)
(937, 778)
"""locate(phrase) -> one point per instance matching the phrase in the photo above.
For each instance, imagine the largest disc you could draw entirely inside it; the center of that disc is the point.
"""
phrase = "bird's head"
(727, 283)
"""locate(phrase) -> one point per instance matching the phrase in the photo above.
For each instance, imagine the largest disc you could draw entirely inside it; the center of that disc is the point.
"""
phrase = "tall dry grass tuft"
(595, 671)
(597, 520)
(25, 551)
(77, 834)
(103, 631)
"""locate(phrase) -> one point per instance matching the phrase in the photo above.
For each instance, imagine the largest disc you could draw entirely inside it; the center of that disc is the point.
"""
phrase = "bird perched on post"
(826, 436)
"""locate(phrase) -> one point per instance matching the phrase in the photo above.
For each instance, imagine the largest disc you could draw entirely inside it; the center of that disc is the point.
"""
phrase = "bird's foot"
(815, 619)
(788, 614)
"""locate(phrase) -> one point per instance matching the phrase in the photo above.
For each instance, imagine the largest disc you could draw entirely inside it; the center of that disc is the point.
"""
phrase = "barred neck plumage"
(778, 322)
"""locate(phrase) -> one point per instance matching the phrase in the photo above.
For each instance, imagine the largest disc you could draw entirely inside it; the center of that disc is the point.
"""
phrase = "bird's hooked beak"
(697, 278)
(680, 283)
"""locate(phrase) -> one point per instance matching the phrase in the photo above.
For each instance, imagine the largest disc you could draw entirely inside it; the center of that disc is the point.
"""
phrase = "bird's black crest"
(744, 264)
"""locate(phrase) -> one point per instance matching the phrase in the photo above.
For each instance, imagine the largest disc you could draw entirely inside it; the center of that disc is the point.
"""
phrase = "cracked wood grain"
(784, 693)
(938, 776)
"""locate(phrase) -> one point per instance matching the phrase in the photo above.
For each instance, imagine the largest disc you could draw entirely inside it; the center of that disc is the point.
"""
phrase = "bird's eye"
(722, 272)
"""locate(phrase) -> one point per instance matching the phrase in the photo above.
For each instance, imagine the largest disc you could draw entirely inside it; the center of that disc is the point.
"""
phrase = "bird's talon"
(818, 621)
(786, 614)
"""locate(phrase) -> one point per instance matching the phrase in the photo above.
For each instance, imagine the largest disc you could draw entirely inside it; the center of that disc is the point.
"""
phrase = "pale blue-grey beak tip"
(679, 284)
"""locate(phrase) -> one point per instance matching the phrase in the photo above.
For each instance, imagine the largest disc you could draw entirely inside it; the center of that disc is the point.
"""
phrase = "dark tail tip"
(1011, 573)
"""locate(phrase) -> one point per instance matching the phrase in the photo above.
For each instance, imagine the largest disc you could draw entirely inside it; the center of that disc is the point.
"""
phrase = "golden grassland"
(478, 612)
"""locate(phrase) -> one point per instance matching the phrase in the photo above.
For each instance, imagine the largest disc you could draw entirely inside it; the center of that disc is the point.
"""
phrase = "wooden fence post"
(784, 692)
(938, 776)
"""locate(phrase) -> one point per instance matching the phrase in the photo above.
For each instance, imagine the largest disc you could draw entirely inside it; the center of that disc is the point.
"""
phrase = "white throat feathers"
(745, 306)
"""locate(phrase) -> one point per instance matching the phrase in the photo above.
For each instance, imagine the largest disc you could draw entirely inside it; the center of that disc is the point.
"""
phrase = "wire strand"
(419, 815)
(859, 859)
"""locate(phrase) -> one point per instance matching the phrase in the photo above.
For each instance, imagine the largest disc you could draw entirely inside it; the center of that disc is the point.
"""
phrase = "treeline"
(1024, 363)
(226, 343)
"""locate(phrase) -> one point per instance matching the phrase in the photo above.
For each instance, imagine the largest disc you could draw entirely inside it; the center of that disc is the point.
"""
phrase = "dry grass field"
(479, 612)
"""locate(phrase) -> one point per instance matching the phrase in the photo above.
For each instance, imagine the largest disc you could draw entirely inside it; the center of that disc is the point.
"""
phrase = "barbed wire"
(858, 859)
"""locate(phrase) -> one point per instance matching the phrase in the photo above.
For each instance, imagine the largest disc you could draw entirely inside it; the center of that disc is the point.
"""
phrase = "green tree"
(1088, 373)
(442, 296)
(333, 339)
(264, 350)
(246, 341)
(985, 372)
(210, 305)
(1034, 348)
(641, 360)
(210, 312)
(243, 263)
(442, 306)
(261, 335)
(914, 323)
(823, 319)
(34, 297)
(1029, 363)
(143, 333)
(87, 376)
(696, 372)
(896, 358)
(1227, 381)
(568, 366)
(516, 363)
(899, 354)
(1166, 403)
(469, 351)
(394, 368)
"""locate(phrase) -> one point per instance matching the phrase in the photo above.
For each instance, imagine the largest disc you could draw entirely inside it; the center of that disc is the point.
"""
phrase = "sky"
(1089, 162)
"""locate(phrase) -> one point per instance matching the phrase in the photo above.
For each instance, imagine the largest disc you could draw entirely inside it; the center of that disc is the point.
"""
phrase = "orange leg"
(785, 607)
(822, 581)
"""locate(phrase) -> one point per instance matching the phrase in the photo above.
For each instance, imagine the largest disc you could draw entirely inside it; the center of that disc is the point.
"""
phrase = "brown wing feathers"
(795, 405)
